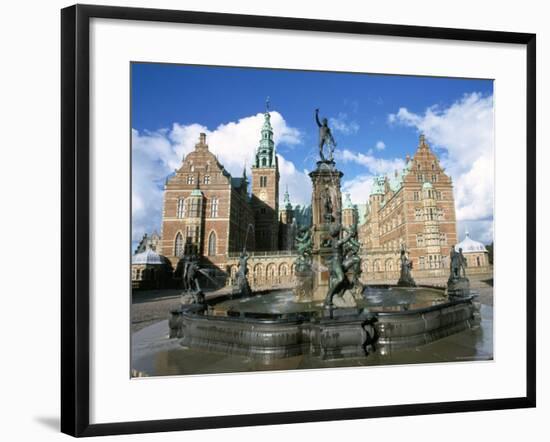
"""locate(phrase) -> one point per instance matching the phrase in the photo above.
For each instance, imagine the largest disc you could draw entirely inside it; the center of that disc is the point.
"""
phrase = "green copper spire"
(347, 203)
(286, 202)
(265, 155)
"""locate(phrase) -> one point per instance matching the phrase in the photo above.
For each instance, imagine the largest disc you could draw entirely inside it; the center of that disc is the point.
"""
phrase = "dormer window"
(190, 179)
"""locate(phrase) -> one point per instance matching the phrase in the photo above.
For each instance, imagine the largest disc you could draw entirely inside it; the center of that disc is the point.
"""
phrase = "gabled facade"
(206, 211)
(414, 209)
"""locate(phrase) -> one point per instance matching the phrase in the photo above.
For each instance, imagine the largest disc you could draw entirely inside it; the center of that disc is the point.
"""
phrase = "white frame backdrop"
(114, 397)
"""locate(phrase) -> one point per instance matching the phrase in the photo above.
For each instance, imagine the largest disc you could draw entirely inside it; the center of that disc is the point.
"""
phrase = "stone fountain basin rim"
(299, 319)
(448, 303)
(302, 317)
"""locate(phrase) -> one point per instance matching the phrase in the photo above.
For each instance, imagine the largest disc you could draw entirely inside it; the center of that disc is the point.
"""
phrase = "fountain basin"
(273, 325)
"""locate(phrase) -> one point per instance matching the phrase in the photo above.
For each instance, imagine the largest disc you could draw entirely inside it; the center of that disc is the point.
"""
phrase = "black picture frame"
(75, 224)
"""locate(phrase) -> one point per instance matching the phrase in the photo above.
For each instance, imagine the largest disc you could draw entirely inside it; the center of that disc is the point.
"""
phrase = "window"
(263, 181)
(419, 177)
(262, 210)
(418, 214)
(212, 244)
(192, 234)
(431, 214)
(478, 261)
(434, 178)
(180, 211)
(207, 179)
(443, 238)
(190, 179)
(263, 161)
(421, 262)
(416, 196)
(194, 209)
(433, 166)
(178, 245)
(420, 240)
(214, 208)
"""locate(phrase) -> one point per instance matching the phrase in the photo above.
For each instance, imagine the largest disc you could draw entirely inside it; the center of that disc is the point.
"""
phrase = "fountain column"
(326, 203)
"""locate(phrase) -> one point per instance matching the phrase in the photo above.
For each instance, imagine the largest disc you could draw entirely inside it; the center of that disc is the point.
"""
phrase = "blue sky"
(376, 120)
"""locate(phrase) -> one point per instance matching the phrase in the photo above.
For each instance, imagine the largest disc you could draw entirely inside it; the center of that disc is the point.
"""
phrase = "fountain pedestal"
(326, 203)
(304, 285)
(458, 287)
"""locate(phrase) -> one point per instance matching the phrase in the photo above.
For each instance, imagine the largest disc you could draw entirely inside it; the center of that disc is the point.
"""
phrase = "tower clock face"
(263, 195)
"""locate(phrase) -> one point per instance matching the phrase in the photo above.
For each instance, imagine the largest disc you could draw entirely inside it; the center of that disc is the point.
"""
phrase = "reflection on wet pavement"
(154, 354)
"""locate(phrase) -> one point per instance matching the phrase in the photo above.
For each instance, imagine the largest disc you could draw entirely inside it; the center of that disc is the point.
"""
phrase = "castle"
(209, 213)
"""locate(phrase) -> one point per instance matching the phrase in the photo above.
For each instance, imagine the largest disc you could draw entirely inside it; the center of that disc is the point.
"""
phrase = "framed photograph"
(272, 220)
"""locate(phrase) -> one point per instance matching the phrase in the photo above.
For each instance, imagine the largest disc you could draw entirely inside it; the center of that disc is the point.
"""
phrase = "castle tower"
(348, 212)
(376, 198)
(286, 224)
(265, 190)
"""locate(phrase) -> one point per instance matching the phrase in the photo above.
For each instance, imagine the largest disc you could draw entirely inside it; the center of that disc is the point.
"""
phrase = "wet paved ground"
(154, 354)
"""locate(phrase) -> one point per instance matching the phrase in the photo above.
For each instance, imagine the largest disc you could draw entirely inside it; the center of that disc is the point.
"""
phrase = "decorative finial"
(267, 104)
(422, 140)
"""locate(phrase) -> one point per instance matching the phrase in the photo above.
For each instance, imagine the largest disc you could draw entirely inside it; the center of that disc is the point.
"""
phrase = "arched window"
(478, 261)
(178, 245)
(180, 212)
(212, 244)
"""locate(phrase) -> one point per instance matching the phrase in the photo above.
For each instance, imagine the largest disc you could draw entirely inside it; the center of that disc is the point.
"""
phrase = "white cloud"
(376, 166)
(463, 133)
(343, 125)
(359, 188)
(157, 154)
(380, 145)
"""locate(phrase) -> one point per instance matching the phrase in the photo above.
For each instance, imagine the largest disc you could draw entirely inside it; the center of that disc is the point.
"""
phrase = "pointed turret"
(286, 201)
(265, 188)
(265, 154)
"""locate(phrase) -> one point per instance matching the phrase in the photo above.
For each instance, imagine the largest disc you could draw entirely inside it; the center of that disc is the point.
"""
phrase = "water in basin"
(375, 299)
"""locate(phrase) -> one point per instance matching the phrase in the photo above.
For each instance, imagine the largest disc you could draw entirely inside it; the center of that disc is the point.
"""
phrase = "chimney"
(202, 142)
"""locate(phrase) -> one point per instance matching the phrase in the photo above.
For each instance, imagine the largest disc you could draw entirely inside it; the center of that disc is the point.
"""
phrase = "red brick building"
(209, 213)
(414, 209)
